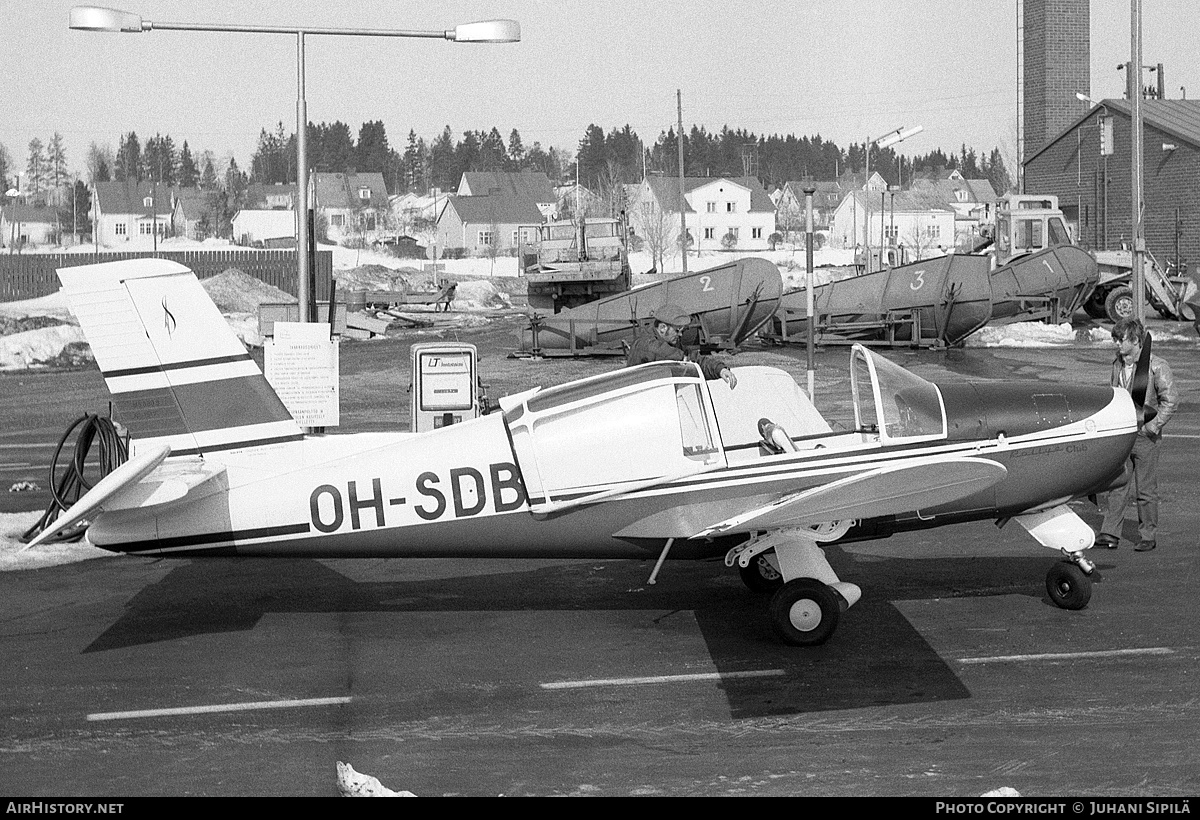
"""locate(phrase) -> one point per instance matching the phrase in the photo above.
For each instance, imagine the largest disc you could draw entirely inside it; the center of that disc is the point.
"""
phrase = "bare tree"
(611, 188)
(657, 231)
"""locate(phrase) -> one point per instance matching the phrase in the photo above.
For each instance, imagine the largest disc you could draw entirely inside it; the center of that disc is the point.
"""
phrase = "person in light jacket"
(1153, 389)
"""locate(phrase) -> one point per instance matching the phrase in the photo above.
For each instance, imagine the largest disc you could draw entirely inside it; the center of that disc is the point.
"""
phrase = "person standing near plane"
(661, 343)
(1148, 379)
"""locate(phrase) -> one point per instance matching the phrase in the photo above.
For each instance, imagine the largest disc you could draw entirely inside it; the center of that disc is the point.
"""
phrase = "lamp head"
(98, 18)
(486, 31)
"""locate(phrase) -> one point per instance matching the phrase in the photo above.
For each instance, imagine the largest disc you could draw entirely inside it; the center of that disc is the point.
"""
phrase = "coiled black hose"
(71, 485)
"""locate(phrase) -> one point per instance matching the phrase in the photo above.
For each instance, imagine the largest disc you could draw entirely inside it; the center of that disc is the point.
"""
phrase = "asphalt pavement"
(953, 676)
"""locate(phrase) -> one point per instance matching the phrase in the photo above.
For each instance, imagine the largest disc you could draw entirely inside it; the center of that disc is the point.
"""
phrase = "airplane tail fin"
(176, 370)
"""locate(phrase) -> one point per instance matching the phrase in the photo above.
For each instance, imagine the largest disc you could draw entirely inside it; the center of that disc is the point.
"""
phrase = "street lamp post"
(96, 18)
(1135, 160)
(890, 138)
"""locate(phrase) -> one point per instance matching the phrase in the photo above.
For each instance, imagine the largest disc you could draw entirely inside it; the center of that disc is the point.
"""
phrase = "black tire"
(1068, 586)
(805, 612)
(761, 575)
(1094, 306)
(1119, 304)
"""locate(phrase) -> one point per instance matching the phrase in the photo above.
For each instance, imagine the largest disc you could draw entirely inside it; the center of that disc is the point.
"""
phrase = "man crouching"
(661, 343)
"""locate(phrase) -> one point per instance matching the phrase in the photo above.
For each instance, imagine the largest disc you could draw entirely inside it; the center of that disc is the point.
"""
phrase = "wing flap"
(913, 485)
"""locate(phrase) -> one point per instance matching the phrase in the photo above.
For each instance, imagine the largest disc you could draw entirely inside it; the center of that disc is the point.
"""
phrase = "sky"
(847, 70)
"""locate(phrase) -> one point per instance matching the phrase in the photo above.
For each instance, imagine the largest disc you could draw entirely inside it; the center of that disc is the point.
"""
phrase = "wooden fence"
(30, 275)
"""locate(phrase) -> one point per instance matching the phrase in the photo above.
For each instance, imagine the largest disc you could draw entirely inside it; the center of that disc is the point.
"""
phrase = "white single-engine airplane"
(627, 464)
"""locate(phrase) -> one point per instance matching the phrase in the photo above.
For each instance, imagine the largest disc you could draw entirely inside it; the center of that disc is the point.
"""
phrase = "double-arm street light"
(96, 18)
(887, 140)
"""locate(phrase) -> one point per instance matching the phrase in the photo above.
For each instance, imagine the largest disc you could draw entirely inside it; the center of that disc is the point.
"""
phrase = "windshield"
(892, 401)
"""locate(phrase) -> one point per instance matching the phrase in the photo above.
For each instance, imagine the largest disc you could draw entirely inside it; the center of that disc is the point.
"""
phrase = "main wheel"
(1119, 304)
(805, 612)
(1068, 586)
(761, 575)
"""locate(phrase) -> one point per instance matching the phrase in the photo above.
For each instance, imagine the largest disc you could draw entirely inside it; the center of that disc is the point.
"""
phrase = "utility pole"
(682, 201)
(1134, 81)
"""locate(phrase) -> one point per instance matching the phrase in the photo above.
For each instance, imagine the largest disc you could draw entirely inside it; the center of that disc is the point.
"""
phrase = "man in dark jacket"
(660, 343)
(1154, 393)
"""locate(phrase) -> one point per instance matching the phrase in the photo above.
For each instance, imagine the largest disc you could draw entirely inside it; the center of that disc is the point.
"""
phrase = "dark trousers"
(1143, 487)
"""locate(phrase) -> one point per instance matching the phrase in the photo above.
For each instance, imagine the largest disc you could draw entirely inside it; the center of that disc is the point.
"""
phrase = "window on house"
(708, 233)
(337, 220)
(960, 195)
(890, 231)
(730, 207)
(364, 193)
(756, 233)
(148, 202)
(120, 229)
(485, 239)
(733, 232)
(370, 221)
(516, 237)
(712, 207)
(933, 231)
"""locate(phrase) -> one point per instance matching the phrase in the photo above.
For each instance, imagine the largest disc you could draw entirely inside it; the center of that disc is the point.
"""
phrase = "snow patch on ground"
(13, 556)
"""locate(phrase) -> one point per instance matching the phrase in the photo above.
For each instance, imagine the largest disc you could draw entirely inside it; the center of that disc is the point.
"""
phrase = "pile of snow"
(373, 276)
(479, 294)
(38, 348)
(236, 292)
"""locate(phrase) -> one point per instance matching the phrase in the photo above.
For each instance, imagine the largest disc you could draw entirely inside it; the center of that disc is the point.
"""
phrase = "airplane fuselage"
(459, 491)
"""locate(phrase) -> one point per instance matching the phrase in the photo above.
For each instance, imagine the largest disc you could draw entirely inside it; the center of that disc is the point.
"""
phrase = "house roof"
(193, 202)
(498, 209)
(915, 201)
(666, 191)
(341, 190)
(532, 184)
(257, 193)
(1179, 118)
(828, 193)
(978, 190)
(129, 198)
(22, 212)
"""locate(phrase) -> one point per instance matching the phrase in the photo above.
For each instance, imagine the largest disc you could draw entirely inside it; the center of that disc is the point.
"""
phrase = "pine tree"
(189, 177)
(127, 166)
(516, 151)
(35, 168)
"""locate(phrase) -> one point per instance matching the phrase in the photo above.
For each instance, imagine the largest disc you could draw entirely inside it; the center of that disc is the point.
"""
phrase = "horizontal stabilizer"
(912, 485)
(97, 498)
(174, 480)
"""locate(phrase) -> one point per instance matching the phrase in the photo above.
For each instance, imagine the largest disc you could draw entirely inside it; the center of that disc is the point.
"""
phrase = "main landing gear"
(808, 598)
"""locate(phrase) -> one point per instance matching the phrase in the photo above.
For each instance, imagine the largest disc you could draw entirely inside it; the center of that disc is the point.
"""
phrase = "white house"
(22, 225)
(916, 220)
(253, 226)
(485, 224)
(972, 200)
(353, 206)
(125, 211)
(722, 213)
(533, 186)
(268, 215)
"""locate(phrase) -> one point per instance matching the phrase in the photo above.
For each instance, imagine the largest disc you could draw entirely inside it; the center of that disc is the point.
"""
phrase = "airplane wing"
(913, 485)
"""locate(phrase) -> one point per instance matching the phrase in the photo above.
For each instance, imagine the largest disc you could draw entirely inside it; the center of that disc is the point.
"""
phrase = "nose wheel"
(1068, 586)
